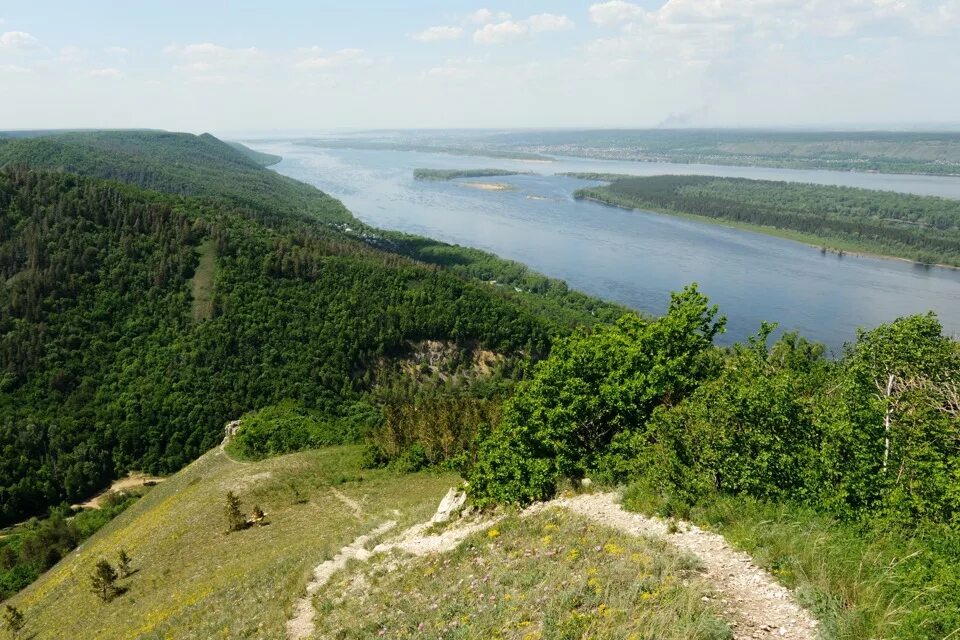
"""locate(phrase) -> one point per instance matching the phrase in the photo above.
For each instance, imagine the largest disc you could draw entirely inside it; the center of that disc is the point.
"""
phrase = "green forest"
(107, 363)
(920, 228)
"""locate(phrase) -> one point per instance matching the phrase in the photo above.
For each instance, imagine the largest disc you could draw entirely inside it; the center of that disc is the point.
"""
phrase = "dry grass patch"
(550, 575)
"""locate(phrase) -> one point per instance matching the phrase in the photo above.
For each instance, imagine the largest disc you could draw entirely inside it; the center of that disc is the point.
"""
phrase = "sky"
(213, 65)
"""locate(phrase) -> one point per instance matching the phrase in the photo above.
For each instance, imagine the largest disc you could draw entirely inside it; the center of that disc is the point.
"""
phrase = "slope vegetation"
(191, 579)
(103, 367)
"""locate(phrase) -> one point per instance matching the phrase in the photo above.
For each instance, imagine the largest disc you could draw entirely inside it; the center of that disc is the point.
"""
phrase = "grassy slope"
(202, 283)
(858, 584)
(552, 575)
(194, 581)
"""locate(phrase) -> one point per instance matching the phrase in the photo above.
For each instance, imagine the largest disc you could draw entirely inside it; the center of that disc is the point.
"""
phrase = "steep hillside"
(133, 323)
(191, 579)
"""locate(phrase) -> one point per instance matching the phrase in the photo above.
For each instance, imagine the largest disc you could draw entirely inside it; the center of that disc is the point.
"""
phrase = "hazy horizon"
(808, 64)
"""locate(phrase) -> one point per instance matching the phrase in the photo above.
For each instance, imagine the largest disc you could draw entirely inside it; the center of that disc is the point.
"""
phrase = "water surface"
(637, 258)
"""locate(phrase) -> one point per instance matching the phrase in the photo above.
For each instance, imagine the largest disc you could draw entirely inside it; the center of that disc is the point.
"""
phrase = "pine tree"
(123, 563)
(103, 581)
(14, 620)
(236, 521)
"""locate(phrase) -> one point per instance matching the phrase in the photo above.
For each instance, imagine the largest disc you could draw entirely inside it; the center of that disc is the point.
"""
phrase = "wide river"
(638, 258)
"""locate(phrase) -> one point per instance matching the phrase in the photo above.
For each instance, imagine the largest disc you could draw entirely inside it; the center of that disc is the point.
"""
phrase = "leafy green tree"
(103, 581)
(748, 431)
(591, 388)
(892, 436)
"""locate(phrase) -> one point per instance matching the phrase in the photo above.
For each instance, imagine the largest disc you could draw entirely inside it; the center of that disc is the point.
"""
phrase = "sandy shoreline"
(489, 186)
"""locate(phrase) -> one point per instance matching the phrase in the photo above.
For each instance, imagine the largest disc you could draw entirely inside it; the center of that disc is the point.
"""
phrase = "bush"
(289, 427)
(748, 431)
(591, 388)
(433, 429)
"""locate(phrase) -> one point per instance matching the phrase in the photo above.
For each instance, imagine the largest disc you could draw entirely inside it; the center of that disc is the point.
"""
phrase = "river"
(637, 258)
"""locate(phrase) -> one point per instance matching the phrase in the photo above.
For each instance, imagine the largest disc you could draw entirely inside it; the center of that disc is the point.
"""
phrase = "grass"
(860, 583)
(552, 575)
(201, 285)
(192, 580)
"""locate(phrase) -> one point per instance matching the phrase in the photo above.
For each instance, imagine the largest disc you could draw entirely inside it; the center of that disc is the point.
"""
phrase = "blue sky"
(229, 66)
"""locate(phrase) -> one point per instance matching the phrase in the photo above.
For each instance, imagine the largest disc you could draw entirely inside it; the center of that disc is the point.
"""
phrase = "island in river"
(918, 228)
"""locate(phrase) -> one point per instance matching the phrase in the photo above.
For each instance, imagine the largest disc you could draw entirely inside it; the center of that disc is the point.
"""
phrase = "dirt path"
(355, 507)
(301, 624)
(417, 540)
(132, 481)
(753, 603)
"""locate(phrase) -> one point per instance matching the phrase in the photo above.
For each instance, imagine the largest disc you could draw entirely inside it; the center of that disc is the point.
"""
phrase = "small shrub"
(123, 564)
(103, 581)
(236, 521)
(14, 619)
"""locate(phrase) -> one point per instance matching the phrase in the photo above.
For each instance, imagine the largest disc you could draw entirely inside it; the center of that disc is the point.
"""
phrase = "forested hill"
(134, 323)
(176, 163)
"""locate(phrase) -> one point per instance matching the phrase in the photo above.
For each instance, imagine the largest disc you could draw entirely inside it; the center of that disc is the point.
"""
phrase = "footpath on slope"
(754, 604)
(416, 541)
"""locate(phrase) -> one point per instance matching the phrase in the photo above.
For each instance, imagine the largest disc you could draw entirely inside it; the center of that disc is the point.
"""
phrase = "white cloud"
(435, 34)
(614, 13)
(212, 63)
(483, 16)
(510, 30)
(117, 51)
(209, 50)
(336, 59)
(697, 33)
(13, 68)
(18, 42)
(548, 22)
(788, 18)
(500, 32)
(104, 73)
